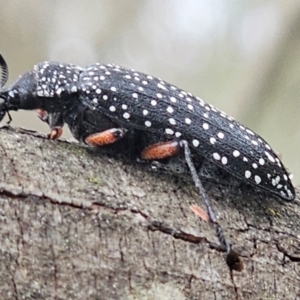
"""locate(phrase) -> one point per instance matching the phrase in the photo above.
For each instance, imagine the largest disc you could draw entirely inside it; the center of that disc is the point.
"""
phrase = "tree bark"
(80, 226)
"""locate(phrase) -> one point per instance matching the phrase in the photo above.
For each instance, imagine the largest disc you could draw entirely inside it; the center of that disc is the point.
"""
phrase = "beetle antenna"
(4, 72)
(3, 80)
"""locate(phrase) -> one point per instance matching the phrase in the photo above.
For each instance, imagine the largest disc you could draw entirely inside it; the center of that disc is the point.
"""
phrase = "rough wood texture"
(79, 226)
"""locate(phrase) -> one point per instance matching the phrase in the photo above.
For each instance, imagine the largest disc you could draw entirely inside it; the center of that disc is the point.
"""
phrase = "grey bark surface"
(80, 226)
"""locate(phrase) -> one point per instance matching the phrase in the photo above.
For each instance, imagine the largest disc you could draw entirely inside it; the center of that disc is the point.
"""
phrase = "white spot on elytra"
(113, 89)
(135, 95)
(172, 121)
(212, 140)
(145, 112)
(249, 131)
(59, 91)
(245, 159)
(236, 153)
(158, 95)
(148, 123)
(224, 160)
(254, 165)
(270, 157)
(126, 115)
(195, 143)
(216, 156)
(161, 86)
(277, 179)
(124, 106)
(257, 179)
(190, 107)
(205, 126)
(247, 174)
(178, 134)
(282, 193)
(261, 161)
(104, 97)
(98, 91)
(170, 109)
(169, 131)
(188, 121)
(173, 99)
(153, 102)
(112, 108)
(220, 135)
(267, 146)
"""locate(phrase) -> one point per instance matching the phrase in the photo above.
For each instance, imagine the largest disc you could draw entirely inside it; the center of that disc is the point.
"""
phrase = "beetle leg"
(54, 120)
(106, 137)
(43, 115)
(55, 133)
(161, 150)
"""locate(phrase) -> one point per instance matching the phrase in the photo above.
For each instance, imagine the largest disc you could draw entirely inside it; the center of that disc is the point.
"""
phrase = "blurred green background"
(241, 56)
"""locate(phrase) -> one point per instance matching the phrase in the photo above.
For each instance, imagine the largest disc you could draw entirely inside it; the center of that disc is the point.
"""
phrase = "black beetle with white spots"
(100, 97)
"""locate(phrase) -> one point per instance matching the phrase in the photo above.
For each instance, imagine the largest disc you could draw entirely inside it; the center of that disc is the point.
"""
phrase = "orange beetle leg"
(161, 150)
(42, 114)
(55, 133)
(106, 137)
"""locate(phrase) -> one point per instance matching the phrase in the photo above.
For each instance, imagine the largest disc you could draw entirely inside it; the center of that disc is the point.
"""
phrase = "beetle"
(104, 104)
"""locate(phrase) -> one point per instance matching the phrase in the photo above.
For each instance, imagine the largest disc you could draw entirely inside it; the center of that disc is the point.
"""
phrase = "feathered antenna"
(4, 77)
(4, 71)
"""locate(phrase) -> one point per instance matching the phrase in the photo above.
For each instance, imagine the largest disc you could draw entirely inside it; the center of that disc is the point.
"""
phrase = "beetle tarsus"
(55, 133)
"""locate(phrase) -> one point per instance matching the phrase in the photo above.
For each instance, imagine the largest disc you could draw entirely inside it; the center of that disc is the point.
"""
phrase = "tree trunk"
(80, 226)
